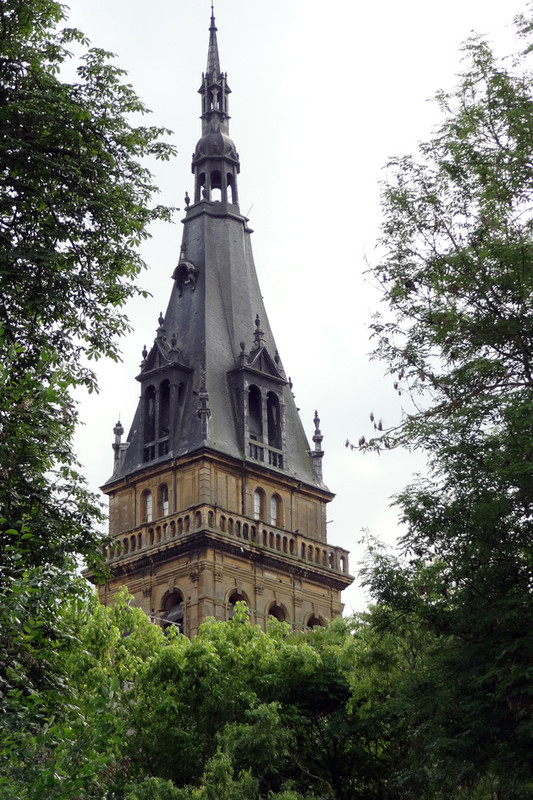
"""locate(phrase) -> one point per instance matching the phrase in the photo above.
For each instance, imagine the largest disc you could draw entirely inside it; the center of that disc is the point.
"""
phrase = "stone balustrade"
(255, 532)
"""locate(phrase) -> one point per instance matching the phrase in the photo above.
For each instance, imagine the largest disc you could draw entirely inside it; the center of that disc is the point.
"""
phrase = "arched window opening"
(149, 424)
(201, 189)
(164, 418)
(229, 179)
(265, 538)
(139, 541)
(230, 525)
(133, 543)
(158, 534)
(285, 548)
(342, 564)
(198, 519)
(278, 612)
(125, 547)
(216, 186)
(259, 504)
(275, 511)
(291, 546)
(278, 542)
(173, 612)
(187, 523)
(303, 550)
(151, 535)
(238, 528)
(223, 523)
(271, 539)
(245, 531)
(315, 622)
(211, 519)
(180, 525)
(172, 530)
(147, 507)
(234, 598)
(273, 420)
(255, 421)
(163, 500)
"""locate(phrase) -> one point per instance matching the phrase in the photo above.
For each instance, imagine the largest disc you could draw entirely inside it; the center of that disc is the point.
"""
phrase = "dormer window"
(255, 421)
(273, 420)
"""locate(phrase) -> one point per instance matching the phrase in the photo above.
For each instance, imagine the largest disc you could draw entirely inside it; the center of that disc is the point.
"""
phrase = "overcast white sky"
(322, 95)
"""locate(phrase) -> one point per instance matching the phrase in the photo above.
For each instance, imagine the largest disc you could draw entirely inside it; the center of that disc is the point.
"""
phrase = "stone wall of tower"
(203, 534)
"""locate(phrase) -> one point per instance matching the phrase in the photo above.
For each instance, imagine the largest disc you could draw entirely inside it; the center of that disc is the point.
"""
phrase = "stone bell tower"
(216, 495)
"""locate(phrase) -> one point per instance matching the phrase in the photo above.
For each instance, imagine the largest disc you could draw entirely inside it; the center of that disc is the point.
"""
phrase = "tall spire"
(213, 63)
(216, 495)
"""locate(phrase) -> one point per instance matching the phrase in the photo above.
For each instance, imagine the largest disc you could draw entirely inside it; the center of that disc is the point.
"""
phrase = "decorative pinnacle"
(204, 412)
(258, 335)
(317, 438)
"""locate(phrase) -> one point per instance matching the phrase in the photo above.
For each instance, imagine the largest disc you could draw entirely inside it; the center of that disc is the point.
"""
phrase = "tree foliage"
(75, 201)
(457, 338)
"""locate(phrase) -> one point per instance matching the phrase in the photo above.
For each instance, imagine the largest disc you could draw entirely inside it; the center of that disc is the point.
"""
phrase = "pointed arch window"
(255, 417)
(149, 424)
(273, 420)
(164, 418)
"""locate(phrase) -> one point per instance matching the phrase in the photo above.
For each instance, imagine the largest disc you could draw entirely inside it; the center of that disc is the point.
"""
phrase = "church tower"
(216, 495)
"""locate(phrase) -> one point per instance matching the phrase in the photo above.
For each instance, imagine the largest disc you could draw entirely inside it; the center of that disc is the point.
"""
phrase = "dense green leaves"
(457, 337)
(75, 200)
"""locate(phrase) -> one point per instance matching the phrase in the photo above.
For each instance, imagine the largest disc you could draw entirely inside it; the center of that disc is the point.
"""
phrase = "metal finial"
(161, 319)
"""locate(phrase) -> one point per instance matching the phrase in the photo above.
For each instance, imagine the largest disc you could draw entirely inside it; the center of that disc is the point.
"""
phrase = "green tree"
(456, 275)
(75, 201)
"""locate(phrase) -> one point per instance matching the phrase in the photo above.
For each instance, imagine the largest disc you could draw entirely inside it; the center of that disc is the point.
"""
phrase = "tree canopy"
(457, 338)
(75, 201)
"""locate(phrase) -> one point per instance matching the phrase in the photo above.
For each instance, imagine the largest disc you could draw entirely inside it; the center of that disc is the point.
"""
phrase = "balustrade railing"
(256, 532)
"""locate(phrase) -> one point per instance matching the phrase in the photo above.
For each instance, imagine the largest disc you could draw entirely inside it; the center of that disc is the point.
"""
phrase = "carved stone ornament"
(185, 275)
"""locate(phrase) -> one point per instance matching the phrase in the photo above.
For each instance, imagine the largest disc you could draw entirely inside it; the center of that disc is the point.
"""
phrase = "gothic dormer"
(215, 161)
(257, 386)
